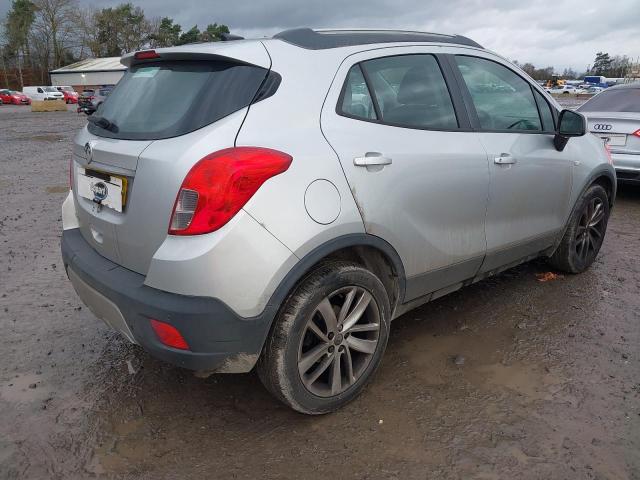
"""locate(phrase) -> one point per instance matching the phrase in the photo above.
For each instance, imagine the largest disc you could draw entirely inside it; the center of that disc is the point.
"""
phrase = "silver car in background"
(614, 116)
(305, 190)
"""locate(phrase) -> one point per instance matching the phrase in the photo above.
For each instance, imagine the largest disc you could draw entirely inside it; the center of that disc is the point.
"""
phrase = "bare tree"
(55, 25)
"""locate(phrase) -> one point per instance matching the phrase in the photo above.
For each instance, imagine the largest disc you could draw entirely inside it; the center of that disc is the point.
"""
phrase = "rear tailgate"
(163, 113)
(617, 129)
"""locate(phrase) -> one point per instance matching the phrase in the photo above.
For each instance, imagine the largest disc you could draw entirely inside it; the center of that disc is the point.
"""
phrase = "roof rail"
(323, 39)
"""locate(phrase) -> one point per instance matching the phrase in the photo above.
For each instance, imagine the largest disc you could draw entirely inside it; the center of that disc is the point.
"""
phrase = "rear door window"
(166, 99)
(356, 98)
(503, 100)
(411, 91)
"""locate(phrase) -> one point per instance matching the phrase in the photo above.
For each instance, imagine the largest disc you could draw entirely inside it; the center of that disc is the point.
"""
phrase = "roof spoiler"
(243, 53)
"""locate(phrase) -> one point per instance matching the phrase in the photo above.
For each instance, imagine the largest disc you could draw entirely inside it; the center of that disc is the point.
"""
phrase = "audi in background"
(614, 116)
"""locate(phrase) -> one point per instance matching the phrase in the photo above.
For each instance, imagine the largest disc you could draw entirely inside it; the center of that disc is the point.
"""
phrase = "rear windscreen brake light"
(146, 55)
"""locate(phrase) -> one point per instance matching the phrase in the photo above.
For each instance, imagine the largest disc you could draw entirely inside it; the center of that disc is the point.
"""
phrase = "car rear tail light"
(169, 335)
(184, 209)
(146, 55)
(220, 184)
(636, 133)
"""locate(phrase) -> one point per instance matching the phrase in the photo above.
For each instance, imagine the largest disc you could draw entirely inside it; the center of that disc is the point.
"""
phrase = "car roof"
(325, 39)
(625, 86)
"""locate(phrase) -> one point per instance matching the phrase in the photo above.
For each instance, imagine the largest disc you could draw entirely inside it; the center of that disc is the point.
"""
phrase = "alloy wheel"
(590, 231)
(339, 341)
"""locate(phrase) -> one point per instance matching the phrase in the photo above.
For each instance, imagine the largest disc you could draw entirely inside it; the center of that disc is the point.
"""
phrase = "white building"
(89, 73)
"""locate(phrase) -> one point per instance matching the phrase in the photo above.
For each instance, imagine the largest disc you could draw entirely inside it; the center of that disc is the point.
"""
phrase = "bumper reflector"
(169, 335)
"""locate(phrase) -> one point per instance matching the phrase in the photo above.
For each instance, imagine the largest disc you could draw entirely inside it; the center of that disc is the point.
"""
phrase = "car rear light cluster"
(636, 133)
(220, 184)
(184, 209)
(607, 150)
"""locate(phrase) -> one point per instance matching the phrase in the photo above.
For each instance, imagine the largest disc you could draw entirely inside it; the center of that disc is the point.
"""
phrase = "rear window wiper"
(103, 123)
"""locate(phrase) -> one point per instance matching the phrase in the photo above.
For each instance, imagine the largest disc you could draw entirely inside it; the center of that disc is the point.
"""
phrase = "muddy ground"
(546, 383)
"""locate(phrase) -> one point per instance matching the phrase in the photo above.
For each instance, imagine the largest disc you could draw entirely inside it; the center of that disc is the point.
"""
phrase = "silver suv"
(275, 203)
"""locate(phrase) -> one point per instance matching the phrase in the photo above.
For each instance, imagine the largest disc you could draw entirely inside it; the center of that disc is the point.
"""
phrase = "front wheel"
(585, 233)
(328, 339)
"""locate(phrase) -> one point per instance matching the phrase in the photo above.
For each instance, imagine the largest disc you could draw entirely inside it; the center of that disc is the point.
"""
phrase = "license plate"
(106, 189)
(614, 140)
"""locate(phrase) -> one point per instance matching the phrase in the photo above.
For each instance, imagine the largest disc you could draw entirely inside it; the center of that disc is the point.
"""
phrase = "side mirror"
(570, 124)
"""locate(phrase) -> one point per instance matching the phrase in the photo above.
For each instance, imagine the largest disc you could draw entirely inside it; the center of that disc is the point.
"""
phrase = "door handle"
(371, 159)
(504, 159)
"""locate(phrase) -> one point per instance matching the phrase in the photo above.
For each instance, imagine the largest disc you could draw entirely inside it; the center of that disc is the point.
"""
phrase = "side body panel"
(290, 205)
(430, 202)
(528, 200)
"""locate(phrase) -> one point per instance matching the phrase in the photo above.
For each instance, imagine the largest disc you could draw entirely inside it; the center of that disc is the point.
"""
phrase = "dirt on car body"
(509, 378)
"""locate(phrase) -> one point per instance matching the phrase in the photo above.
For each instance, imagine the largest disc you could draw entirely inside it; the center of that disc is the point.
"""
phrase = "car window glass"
(545, 112)
(503, 100)
(411, 91)
(40, 91)
(143, 105)
(356, 99)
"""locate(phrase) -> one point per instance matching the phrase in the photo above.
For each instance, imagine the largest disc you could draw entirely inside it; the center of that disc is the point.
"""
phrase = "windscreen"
(618, 100)
(166, 99)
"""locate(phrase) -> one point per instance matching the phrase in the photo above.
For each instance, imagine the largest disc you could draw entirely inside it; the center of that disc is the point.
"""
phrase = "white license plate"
(614, 140)
(104, 191)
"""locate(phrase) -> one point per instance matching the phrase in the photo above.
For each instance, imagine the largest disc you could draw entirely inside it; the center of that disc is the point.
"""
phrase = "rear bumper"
(627, 166)
(219, 339)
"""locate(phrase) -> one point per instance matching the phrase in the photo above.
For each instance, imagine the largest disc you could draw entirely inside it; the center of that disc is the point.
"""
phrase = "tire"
(288, 363)
(583, 237)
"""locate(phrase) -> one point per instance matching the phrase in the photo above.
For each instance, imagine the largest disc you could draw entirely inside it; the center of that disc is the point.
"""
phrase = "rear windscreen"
(166, 99)
(619, 100)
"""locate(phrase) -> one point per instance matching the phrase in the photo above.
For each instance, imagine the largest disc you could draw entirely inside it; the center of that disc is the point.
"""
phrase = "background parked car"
(43, 93)
(90, 100)
(70, 95)
(14, 98)
(84, 101)
(614, 116)
(594, 90)
(564, 89)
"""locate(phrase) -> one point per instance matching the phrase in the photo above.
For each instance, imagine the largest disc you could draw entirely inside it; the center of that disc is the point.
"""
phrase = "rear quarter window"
(167, 99)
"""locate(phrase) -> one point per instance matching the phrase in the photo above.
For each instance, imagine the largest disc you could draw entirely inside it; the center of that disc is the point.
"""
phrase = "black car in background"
(90, 100)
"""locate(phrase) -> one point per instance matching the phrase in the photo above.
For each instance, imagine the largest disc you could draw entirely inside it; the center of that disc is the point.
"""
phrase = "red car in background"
(10, 97)
(70, 95)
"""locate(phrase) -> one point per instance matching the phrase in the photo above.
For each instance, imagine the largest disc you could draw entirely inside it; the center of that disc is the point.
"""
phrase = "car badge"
(100, 191)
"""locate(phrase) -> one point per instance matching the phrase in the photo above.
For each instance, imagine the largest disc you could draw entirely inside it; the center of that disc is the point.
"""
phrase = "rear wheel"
(585, 233)
(328, 339)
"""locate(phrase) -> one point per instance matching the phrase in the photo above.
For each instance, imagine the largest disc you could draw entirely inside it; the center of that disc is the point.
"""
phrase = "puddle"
(532, 382)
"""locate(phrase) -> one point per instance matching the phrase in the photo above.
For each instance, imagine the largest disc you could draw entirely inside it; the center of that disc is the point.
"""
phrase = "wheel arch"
(603, 176)
(367, 250)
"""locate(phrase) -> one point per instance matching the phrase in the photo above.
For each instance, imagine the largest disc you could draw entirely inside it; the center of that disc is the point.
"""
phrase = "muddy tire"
(328, 339)
(585, 233)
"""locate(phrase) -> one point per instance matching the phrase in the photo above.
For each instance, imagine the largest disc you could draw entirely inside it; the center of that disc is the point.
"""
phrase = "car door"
(417, 172)
(530, 181)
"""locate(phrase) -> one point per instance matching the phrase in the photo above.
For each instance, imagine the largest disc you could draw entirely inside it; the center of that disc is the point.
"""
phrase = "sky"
(558, 33)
